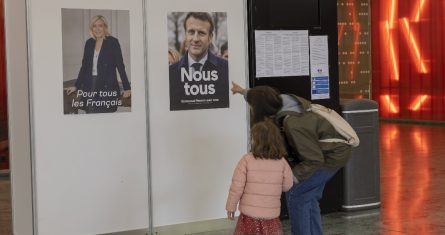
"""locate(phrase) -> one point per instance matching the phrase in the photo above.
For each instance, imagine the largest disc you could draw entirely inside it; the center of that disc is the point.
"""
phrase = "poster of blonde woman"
(198, 69)
(96, 61)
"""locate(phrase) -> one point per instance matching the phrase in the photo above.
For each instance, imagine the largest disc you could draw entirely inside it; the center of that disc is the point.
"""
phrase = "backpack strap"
(339, 123)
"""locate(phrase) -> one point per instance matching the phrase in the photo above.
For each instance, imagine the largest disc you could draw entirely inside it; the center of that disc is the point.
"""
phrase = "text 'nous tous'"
(207, 87)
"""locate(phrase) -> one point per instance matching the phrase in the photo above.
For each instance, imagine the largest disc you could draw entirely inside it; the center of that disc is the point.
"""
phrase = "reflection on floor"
(412, 188)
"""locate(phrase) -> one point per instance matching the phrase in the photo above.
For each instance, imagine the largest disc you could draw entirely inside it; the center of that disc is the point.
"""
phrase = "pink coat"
(257, 185)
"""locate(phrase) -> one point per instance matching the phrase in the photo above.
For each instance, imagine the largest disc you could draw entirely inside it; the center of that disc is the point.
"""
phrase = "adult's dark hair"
(264, 101)
(267, 141)
(204, 16)
(224, 47)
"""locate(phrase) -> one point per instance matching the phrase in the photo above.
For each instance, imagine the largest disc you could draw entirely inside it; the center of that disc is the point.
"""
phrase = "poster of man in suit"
(198, 68)
(96, 61)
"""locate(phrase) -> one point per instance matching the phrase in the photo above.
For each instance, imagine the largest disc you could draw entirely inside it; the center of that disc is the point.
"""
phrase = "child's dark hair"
(267, 141)
(264, 101)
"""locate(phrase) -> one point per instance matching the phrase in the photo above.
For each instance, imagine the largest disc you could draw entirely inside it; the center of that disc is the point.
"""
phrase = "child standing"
(259, 178)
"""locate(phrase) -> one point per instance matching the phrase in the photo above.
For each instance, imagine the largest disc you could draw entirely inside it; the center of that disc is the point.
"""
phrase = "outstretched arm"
(238, 89)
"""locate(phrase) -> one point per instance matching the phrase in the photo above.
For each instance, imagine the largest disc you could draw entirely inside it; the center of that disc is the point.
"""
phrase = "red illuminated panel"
(408, 76)
(354, 48)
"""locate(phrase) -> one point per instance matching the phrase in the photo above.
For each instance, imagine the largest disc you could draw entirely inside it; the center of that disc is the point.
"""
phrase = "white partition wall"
(194, 152)
(18, 114)
(144, 166)
(90, 170)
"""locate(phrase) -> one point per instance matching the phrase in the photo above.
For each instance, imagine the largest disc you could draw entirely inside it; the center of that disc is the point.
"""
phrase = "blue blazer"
(110, 59)
(180, 100)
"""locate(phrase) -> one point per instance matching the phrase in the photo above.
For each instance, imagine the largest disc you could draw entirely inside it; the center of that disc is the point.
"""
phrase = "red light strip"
(393, 59)
(416, 15)
(418, 102)
(392, 13)
(414, 48)
(356, 29)
(341, 31)
(390, 104)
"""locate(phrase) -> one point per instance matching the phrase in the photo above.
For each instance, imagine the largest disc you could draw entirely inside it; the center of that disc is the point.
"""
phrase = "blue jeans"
(303, 203)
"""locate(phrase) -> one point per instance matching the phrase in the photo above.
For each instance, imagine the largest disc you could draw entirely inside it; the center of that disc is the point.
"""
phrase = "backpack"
(338, 122)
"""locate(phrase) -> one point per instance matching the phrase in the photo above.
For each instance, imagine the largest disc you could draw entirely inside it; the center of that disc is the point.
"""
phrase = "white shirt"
(202, 61)
(95, 58)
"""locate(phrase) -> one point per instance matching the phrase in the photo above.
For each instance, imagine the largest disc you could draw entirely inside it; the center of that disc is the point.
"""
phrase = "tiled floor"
(412, 177)
(412, 188)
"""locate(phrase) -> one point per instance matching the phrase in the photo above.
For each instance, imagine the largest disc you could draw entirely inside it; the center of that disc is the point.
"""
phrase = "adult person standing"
(97, 83)
(199, 80)
(319, 161)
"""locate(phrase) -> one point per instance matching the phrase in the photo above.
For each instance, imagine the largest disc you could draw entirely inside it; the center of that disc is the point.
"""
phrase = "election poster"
(198, 60)
(96, 61)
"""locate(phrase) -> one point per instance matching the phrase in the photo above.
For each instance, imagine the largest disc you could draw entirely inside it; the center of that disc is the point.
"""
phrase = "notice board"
(286, 21)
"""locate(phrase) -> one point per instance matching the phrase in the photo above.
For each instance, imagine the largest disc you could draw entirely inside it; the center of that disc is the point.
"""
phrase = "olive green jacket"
(303, 131)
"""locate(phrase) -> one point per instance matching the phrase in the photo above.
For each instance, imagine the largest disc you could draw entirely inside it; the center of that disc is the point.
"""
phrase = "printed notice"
(319, 67)
(281, 53)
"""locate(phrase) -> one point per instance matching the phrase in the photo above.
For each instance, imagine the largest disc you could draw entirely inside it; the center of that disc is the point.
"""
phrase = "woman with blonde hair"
(97, 83)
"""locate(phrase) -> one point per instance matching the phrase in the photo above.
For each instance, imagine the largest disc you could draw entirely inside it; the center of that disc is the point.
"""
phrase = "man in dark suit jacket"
(199, 80)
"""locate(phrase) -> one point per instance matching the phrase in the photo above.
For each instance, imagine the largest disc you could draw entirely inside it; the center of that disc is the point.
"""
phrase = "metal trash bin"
(362, 173)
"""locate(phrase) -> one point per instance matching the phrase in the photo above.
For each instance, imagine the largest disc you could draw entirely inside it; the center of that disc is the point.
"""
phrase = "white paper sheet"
(281, 53)
(319, 67)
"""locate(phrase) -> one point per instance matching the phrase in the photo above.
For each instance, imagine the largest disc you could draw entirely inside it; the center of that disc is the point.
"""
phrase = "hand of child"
(230, 215)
